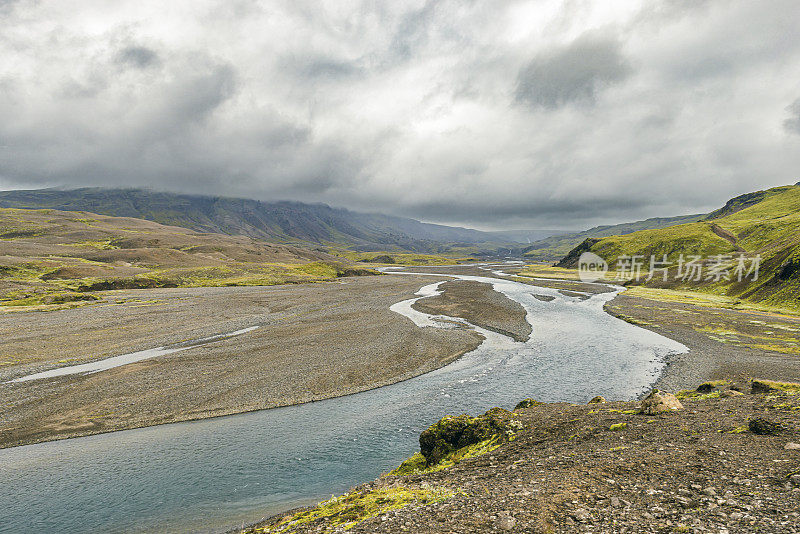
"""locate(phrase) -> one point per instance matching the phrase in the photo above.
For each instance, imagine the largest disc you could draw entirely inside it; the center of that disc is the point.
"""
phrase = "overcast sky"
(496, 114)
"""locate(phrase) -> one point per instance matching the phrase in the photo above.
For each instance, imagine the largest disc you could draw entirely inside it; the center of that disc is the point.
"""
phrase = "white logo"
(591, 267)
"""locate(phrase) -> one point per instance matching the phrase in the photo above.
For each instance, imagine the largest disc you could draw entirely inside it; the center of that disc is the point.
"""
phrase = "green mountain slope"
(276, 221)
(764, 224)
(556, 247)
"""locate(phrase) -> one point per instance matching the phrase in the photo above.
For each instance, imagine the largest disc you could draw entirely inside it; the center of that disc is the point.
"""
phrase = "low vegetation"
(57, 259)
(762, 227)
(344, 512)
(398, 258)
(556, 247)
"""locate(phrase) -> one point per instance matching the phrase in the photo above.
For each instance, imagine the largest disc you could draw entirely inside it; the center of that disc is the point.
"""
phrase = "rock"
(527, 403)
(659, 402)
(454, 432)
(764, 427)
(581, 515)
(710, 491)
(792, 446)
(506, 521)
(706, 387)
(615, 502)
(598, 400)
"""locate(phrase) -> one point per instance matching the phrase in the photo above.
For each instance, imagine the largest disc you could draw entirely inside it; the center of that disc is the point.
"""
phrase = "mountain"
(525, 236)
(557, 246)
(763, 225)
(274, 221)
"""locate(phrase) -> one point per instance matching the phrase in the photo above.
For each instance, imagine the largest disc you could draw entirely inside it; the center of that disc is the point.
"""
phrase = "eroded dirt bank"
(314, 341)
(481, 305)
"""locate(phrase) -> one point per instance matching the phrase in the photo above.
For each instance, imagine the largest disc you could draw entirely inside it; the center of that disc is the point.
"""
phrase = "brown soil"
(481, 305)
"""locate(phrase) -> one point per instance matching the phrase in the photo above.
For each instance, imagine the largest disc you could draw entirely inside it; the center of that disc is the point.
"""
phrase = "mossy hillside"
(79, 252)
(452, 433)
(346, 511)
(769, 228)
(556, 247)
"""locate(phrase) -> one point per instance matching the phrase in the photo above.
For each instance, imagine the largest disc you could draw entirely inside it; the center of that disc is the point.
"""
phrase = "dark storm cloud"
(502, 113)
(138, 56)
(573, 73)
(792, 124)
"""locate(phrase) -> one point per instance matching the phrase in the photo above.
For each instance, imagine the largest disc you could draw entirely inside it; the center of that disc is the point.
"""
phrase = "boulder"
(505, 521)
(598, 400)
(527, 403)
(791, 446)
(660, 402)
(455, 432)
(706, 387)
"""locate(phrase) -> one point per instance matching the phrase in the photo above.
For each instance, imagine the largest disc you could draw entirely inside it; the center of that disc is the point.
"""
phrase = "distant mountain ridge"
(286, 221)
(556, 247)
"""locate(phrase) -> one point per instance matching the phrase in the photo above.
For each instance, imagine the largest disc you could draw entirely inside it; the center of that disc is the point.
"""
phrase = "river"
(215, 474)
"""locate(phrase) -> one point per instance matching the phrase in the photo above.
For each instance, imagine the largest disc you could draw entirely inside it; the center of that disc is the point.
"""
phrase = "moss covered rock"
(452, 433)
(527, 403)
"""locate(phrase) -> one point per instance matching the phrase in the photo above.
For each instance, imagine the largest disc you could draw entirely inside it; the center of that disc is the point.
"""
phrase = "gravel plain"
(314, 341)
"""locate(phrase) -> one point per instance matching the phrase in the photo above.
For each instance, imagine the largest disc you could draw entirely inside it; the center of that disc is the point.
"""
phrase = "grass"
(547, 271)
(556, 247)
(769, 229)
(346, 511)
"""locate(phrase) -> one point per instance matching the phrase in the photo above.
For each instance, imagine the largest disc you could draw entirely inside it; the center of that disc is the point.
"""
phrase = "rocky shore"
(723, 458)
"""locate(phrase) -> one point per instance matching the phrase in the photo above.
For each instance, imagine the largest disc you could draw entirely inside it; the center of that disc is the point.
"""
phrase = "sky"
(495, 115)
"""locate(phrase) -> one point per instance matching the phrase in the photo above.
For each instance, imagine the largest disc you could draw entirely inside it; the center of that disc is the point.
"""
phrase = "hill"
(763, 227)
(289, 222)
(57, 257)
(557, 246)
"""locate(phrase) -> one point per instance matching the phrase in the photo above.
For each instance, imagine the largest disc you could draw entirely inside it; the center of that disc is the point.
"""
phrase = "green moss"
(737, 430)
(527, 403)
(618, 426)
(696, 395)
(417, 464)
(791, 388)
(107, 244)
(348, 510)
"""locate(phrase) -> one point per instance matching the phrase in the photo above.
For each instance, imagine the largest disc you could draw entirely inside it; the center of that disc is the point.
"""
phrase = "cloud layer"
(492, 114)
